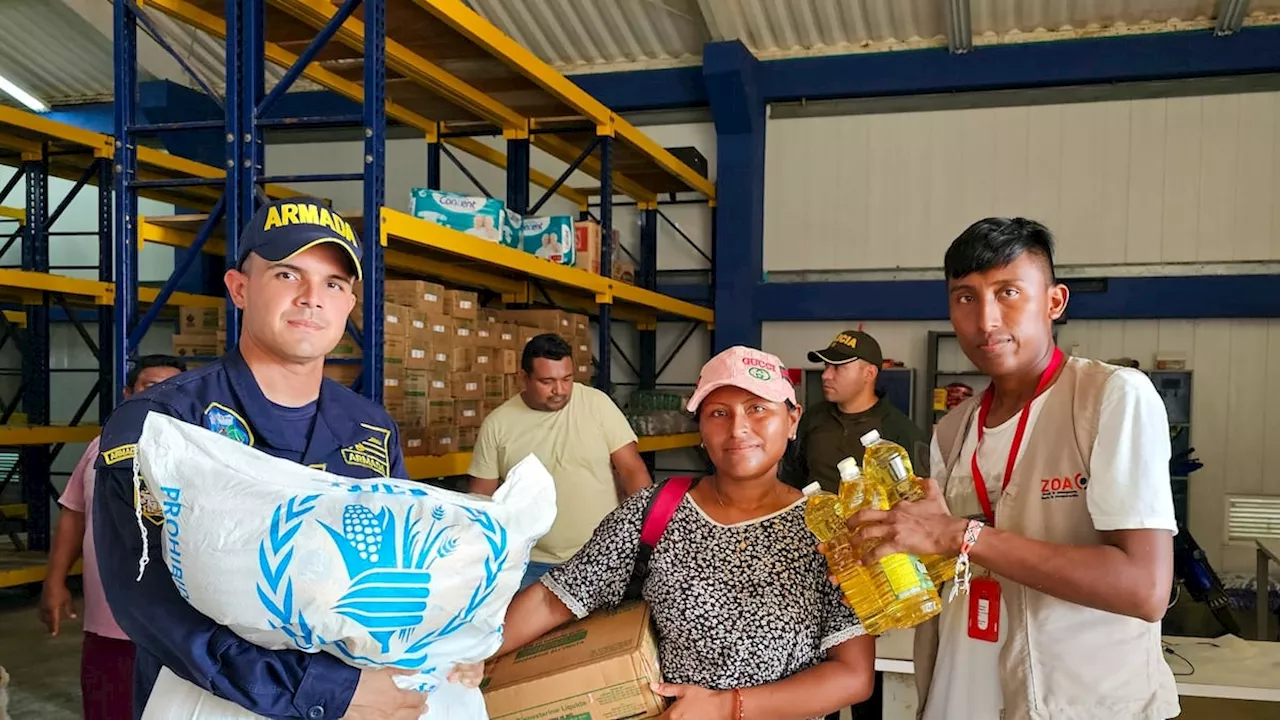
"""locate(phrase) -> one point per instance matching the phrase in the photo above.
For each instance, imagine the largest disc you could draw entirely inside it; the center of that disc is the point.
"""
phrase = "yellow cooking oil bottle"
(895, 592)
(890, 464)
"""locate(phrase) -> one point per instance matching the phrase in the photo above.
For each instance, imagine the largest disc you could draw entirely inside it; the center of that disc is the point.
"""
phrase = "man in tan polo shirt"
(1054, 484)
(577, 432)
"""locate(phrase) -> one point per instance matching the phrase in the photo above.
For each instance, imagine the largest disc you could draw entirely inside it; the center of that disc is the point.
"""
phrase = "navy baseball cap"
(283, 228)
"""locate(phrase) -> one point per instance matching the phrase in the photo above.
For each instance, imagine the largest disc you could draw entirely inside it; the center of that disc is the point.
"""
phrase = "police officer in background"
(294, 280)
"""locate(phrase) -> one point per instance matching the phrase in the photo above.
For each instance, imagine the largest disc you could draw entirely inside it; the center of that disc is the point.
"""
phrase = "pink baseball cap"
(752, 370)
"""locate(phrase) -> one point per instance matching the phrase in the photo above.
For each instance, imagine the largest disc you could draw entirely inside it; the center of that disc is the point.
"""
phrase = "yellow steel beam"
(423, 467)
(99, 292)
(657, 443)
(17, 511)
(214, 25)
(467, 22)
(15, 435)
(410, 229)
(483, 33)
(623, 292)
(53, 129)
(18, 569)
(14, 214)
(149, 294)
(400, 261)
(15, 317)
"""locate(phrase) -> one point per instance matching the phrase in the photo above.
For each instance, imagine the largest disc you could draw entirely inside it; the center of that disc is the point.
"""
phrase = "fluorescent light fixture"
(21, 95)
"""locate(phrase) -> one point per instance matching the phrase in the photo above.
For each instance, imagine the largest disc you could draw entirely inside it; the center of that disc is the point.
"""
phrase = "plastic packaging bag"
(377, 572)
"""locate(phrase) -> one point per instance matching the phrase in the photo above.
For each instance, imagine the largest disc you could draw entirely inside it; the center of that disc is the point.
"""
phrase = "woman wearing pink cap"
(748, 625)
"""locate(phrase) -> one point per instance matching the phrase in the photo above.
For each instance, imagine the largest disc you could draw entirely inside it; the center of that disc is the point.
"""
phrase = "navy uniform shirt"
(342, 432)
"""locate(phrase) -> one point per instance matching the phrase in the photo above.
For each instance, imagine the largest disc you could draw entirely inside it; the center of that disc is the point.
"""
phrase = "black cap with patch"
(848, 346)
(283, 228)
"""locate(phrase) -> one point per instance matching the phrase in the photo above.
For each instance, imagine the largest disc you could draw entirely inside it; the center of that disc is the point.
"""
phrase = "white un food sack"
(376, 572)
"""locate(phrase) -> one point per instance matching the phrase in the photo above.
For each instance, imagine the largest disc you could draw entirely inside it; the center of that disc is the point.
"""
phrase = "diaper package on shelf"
(550, 238)
(479, 216)
(379, 573)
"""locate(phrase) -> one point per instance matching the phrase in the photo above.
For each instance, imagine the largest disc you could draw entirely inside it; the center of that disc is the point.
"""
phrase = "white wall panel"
(1235, 395)
(1176, 180)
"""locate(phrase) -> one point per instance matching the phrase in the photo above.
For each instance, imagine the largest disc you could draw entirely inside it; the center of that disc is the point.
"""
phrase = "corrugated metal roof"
(53, 53)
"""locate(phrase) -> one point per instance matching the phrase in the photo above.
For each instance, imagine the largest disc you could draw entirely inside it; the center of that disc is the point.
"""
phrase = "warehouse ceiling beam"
(1229, 16)
(959, 26)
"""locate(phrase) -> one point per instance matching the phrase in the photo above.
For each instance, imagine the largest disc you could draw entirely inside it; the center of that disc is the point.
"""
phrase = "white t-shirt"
(1128, 490)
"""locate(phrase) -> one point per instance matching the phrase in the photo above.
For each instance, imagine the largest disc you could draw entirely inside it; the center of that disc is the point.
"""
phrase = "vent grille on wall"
(1252, 517)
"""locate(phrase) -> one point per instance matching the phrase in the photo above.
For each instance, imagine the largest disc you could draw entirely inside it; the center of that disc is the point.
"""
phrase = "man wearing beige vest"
(1053, 486)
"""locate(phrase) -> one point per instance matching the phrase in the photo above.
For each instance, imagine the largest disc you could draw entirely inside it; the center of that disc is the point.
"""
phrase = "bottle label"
(905, 574)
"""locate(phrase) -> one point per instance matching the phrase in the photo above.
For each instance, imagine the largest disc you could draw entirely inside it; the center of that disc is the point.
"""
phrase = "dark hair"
(151, 361)
(994, 243)
(548, 346)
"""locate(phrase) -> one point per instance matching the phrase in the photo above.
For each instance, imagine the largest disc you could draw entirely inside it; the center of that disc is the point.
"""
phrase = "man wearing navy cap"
(293, 281)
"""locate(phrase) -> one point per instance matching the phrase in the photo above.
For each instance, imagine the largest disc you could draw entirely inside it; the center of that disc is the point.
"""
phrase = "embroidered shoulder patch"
(123, 452)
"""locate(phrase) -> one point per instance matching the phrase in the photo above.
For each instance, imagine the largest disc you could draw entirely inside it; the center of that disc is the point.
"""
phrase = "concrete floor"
(45, 671)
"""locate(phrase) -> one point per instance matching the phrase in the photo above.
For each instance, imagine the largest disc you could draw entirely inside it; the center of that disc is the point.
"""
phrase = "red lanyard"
(980, 484)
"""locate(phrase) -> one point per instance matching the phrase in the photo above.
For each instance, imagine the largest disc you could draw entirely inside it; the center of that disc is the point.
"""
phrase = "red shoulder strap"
(665, 502)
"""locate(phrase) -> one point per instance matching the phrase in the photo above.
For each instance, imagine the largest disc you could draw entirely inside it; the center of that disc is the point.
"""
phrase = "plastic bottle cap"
(848, 468)
(870, 438)
(811, 489)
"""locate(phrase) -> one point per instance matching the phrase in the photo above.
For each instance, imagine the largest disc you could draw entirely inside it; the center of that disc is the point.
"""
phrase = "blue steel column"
(35, 364)
(605, 352)
(244, 23)
(647, 277)
(433, 165)
(375, 156)
(125, 260)
(518, 174)
(106, 270)
(738, 109)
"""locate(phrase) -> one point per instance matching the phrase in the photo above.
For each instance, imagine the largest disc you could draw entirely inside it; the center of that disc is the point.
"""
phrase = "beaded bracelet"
(961, 585)
(741, 712)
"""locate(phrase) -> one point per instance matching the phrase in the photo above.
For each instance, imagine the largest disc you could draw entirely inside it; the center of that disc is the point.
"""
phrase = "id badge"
(984, 609)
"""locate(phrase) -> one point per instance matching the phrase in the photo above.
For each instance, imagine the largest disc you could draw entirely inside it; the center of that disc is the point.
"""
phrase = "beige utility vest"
(1060, 660)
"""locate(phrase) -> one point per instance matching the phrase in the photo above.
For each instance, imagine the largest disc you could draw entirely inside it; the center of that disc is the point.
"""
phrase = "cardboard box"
(484, 359)
(587, 246)
(624, 271)
(485, 334)
(580, 325)
(417, 294)
(506, 362)
(393, 389)
(201, 320)
(582, 373)
(554, 321)
(466, 385)
(395, 349)
(488, 316)
(598, 668)
(525, 335)
(464, 333)
(415, 407)
(461, 304)
(439, 412)
(488, 406)
(481, 217)
(346, 373)
(466, 413)
(420, 356)
(493, 387)
(511, 386)
(440, 440)
(347, 349)
(550, 238)
(413, 440)
(396, 319)
(438, 385)
(508, 336)
(187, 345)
(434, 326)
(467, 438)
(460, 360)
(416, 380)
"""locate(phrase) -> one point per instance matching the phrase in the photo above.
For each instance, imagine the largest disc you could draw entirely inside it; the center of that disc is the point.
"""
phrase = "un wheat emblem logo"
(390, 575)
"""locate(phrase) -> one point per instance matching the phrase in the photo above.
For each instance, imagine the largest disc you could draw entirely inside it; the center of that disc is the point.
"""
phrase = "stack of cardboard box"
(588, 236)
(202, 332)
(448, 363)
